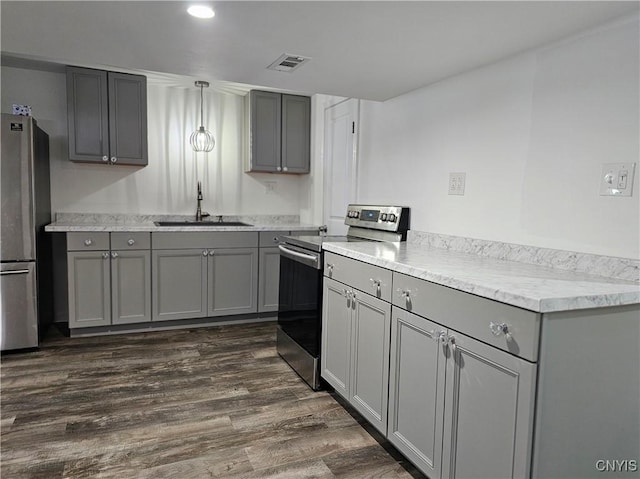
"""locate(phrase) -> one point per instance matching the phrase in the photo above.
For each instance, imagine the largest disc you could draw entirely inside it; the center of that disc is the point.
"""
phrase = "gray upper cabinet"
(107, 117)
(278, 130)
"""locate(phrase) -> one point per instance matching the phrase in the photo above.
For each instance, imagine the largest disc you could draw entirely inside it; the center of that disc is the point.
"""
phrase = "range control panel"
(385, 218)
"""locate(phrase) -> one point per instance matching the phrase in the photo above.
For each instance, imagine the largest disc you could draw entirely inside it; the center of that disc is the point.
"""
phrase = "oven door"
(300, 311)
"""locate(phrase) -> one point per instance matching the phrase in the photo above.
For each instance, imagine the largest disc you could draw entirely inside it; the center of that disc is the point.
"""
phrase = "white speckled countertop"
(71, 222)
(533, 287)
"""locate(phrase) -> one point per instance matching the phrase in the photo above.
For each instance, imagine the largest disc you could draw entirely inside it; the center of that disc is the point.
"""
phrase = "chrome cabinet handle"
(14, 271)
(499, 329)
(205, 253)
(435, 335)
(211, 252)
(276, 239)
(88, 242)
(114, 255)
(451, 340)
(278, 169)
(114, 159)
(378, 284)
(105, 255)
(105, 158)
(330, 268)
(131, 241)
(285, 168)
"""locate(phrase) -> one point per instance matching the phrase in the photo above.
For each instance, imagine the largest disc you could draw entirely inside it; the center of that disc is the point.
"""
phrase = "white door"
(340, 148)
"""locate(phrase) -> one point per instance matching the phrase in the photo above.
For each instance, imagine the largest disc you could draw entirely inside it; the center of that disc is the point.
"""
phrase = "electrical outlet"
(616, 179)
(456, 183)
(270, 187)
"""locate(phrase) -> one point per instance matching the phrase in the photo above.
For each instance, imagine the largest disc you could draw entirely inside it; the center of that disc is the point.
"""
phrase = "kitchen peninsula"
(464, 343)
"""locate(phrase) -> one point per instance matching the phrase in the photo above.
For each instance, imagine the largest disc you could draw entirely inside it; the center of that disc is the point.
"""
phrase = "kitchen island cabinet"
(480, 387)
(355, 337)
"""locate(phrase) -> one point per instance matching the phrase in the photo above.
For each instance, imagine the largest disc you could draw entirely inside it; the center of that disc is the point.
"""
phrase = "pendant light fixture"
(202, 139)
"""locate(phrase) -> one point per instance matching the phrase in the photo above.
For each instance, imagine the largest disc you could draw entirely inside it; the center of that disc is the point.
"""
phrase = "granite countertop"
(130, 223)
(533, 287)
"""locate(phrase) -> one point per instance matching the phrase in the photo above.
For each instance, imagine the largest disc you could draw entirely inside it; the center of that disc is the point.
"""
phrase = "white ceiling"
(365, 49)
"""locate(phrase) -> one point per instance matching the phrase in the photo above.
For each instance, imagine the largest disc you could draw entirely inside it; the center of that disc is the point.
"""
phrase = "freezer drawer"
(19, 323)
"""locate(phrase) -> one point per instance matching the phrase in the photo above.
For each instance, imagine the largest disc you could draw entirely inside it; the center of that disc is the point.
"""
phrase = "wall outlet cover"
(456, 183)
(616, 179)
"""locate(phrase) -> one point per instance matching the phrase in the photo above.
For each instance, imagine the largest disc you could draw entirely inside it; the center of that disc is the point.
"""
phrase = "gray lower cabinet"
(269, 281)
(489, 404)
(107, 117)
(179, 284)
(89, 287)
(458, 408)
(355, 354)
(232, 281)
(130, 286)
(215, 275)
(108, 286)
(416, 391)
(335, 357)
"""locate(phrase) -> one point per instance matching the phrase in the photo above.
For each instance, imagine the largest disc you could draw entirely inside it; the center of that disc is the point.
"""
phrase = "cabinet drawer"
(271, 238)
(366, 277)
(470, 314)
(200, 239)
(87, 241)
(130, 241)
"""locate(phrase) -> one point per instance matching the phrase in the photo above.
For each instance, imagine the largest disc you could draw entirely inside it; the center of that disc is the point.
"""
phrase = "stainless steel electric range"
(300, 297)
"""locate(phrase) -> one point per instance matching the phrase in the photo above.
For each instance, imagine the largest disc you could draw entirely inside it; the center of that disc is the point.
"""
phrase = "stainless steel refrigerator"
(25, 249)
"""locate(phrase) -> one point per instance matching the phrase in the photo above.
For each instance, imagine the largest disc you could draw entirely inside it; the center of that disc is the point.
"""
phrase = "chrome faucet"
(199, 213)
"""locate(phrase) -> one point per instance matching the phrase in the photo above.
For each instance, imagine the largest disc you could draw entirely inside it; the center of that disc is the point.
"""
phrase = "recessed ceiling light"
(201, 11)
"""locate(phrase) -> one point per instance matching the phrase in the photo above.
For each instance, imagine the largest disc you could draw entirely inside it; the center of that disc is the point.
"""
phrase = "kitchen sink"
(201, 223)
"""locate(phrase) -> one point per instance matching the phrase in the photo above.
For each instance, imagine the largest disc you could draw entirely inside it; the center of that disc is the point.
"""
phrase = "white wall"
(531, 133)
(168, 183)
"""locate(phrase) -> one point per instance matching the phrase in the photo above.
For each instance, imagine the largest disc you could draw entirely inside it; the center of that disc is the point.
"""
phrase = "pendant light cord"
(201, 102)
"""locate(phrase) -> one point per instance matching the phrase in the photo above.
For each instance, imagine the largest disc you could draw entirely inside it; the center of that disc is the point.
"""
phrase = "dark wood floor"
(210, 402)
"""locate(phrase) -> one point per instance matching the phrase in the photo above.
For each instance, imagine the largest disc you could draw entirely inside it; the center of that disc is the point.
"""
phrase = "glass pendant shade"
(202, 139)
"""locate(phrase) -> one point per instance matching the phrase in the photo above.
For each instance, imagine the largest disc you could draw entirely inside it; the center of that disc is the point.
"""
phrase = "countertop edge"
(152, 228)
(549, 304)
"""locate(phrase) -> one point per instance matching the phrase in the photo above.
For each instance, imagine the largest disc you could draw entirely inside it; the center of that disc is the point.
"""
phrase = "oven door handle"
(308, 259)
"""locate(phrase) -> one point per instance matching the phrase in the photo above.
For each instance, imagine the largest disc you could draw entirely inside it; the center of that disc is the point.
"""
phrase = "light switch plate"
(456, 183)
(616, 179)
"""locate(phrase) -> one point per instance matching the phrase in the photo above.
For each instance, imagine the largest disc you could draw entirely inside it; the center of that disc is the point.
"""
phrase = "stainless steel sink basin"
(201, 223)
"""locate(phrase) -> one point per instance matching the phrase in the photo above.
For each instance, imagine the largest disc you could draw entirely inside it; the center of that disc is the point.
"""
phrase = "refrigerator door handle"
(16, 271)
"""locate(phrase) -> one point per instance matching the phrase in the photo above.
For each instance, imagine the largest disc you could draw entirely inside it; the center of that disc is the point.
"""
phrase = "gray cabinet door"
(87, 114)
(489, 414)
(89, 289)
(371, 322)
(296, 132)
(131, 286)
(336, 336)
(233, 281)
(107, 117)
(179, 284)
(127, 119)
(265, 131)
(268, 284)
(416, 390)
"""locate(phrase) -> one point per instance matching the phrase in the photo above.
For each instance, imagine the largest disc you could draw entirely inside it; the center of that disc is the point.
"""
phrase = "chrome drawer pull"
(377, 283)
(131, 241)
(499, 329)
(88, 242)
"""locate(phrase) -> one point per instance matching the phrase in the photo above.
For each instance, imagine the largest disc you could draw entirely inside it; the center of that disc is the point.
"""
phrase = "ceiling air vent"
(288, 63)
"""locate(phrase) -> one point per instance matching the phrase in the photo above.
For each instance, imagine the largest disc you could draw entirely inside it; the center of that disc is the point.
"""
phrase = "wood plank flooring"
(209, 402)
